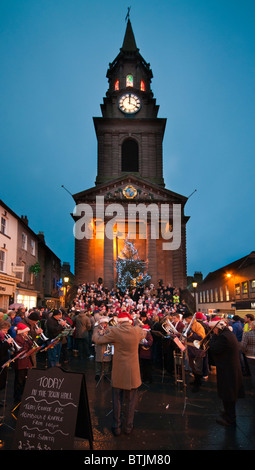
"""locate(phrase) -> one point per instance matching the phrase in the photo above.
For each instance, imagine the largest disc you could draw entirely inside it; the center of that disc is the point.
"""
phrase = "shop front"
(26, 297)
(7, 289)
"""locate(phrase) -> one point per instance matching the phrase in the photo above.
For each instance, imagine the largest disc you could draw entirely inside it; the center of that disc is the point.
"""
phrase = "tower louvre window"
(117, 85)
(142, 85)
(129, 80)
(130, 156)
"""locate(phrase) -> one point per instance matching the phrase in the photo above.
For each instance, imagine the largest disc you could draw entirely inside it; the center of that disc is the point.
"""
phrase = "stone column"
(108, 262)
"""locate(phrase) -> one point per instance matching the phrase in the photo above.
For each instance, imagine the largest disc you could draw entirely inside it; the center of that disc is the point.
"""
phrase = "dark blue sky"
(54, 55)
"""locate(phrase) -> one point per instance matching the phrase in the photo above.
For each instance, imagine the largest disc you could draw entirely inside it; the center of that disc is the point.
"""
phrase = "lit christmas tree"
(130, 268)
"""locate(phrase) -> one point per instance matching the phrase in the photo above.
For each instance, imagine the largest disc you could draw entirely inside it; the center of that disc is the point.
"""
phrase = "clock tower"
(129, 132)
(130, 170)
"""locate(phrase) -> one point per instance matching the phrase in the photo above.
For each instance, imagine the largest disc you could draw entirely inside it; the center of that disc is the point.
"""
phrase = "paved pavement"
(166, 418)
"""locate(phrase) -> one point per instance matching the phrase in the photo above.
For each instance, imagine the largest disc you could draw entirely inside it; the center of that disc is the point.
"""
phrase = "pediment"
(130, 188)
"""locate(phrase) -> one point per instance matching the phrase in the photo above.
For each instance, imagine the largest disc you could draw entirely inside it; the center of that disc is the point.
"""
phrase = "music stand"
(7, 364)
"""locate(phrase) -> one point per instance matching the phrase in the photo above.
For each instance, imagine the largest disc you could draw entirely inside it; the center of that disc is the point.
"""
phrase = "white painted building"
(8, 255)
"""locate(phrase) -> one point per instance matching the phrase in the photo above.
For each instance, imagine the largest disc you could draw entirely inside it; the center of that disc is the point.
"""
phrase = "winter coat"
(26, 344)
(100, 349)
(145, 350)
(82, 325)
(125, 363)
(225, 350)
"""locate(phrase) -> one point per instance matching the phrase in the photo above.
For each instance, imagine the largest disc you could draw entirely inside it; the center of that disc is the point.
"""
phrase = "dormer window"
(117, 85)
(142, 85)
(129, 80)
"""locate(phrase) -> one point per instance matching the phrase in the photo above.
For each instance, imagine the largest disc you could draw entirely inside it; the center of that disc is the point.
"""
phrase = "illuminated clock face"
(129, 103)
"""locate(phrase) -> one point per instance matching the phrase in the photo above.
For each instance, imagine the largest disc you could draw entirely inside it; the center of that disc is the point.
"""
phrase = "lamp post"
(66, 281)
(194, 285)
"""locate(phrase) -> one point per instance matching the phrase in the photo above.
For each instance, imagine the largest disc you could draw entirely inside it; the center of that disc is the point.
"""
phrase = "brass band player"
(102, 360)
(195, 331)
(22, 364)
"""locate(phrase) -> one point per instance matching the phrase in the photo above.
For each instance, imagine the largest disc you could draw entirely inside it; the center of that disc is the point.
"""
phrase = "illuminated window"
(245, 287)
(252, 285)
(117, 85)
(142, 85)
(227, 293)
(221, 294)
(237, 289)
(130, 80)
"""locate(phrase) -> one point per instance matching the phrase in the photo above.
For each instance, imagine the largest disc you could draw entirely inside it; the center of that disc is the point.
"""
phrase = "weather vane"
(128, 14)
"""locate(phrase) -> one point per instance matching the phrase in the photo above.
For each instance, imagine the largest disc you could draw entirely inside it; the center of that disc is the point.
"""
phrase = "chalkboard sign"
(54, 409)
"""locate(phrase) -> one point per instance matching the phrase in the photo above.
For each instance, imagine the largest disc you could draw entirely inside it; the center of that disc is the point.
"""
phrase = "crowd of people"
(153, 326)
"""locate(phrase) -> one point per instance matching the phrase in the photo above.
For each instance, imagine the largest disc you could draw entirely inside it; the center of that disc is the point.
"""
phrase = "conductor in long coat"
(126, 377)
(225, 350)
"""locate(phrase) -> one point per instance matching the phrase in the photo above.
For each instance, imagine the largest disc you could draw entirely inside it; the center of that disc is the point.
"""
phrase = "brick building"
(130, 171)
(230, 289)
(22, 252)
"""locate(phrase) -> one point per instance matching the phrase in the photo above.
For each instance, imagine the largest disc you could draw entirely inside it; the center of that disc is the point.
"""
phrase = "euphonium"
(169, 327)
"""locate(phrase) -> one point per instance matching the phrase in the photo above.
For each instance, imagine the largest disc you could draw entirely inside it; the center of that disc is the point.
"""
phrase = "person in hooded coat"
(225, 350)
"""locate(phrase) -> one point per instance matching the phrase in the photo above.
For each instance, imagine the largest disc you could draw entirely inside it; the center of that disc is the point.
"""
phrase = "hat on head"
(103, 320)
(34, 316)
(219, 322)
(21, 328)
(146, 327)
(199, 316)
(187, 313)
(124, 316)
(56, 312)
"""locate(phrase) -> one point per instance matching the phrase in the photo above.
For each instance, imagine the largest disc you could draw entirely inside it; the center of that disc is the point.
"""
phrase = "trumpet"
(42, 335)
(137, 321)
(14, 344)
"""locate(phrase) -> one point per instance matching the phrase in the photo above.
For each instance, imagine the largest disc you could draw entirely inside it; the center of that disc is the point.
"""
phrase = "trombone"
(203, 344)
(188, 327)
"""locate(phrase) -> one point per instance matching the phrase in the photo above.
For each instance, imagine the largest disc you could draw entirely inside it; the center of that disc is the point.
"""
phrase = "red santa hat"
(124, 316)
(199, 316)
(21, 328)
(146, 327)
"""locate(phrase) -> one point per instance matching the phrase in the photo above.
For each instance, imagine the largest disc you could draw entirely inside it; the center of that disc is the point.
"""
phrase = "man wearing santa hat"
(22, 364)
(126, 377)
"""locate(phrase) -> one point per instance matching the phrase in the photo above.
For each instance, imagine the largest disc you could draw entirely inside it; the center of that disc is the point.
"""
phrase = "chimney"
(24, 219)
(41, 236)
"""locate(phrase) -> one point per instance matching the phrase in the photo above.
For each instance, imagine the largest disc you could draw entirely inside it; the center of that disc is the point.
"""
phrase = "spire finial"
(128, 14)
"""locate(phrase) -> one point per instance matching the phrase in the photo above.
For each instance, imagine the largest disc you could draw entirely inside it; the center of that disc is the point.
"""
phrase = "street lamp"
(66, 281)
(194, 285)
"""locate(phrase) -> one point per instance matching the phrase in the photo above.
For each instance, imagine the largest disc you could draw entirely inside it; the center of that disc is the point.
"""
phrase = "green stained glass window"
(130, 80)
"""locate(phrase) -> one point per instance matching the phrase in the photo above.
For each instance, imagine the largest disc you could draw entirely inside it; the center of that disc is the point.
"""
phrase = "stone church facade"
(130, 175)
